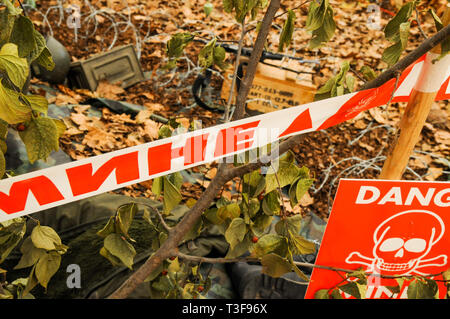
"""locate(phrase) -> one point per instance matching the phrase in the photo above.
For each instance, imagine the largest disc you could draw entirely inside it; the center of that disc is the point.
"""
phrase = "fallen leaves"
(109, 91)
(93, 135)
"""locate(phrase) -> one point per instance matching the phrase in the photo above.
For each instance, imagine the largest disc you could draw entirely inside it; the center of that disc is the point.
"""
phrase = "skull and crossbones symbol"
(402, 242)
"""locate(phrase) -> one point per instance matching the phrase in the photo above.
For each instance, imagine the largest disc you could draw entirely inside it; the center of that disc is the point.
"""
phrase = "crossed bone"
(357, 258)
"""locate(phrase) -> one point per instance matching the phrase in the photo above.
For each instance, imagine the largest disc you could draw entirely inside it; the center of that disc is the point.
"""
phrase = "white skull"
(402, 240)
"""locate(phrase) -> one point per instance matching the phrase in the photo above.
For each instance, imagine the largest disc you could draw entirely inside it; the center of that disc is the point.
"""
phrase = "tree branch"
(258, 48)
(199, 259)
(170, 247)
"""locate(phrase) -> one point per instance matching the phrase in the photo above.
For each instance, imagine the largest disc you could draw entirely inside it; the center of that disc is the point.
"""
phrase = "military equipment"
(118, 65)
(62, 63)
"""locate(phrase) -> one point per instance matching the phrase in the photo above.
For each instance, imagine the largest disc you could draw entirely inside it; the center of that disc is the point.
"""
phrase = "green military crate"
(118, 65)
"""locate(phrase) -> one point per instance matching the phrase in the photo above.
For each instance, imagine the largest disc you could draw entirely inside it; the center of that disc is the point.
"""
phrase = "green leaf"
(260, 223)
(235, 232)
(336, 85)
(125, 216)
(392, 28)
(46, 267)
(336, 294)
(445, 45)
(368, 73)
(113, 259)
(12, 110)
(208, 8)
(120, 248)
(325, 32)
(298, 271)
(316, 15)
(31, 282)
(287, 173)
(206, 55)
(30, 254)
(37, 103)
(397, 30)
(322, 294)
(301, 244)
(287, 32)
(157, 186)
(303, 186)
(414, 289)
(275, 266)
(108, 229)
(3, 130)
(172, 196)
(228, 5)
(420, 288)
(2, 164)
(3, 146)
(12, 232)
(45, 59)
(394, 289)
(392, 54)
(45, 237)
(240, 248)
(40, 138)
(175, 47)
(271, 203)
(270, 243)
(437, 20)
(23, 35)
(360, 273)
(11, 8)
(219, 56)
(176, 179)
(40, 46)
(350, 82)
(7, 18)
(253, 183)
(15, 67)
(291, 224)
(230, 211)
(60, 127)
(352, 289)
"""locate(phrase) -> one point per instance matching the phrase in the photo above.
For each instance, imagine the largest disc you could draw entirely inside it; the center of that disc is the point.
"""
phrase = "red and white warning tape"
(62, 184)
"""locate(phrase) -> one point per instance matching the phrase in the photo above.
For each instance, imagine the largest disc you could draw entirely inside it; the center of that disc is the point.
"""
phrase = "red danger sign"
(387, 228)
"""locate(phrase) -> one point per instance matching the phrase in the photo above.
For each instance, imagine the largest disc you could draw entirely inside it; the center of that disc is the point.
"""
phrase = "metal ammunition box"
(118, 65)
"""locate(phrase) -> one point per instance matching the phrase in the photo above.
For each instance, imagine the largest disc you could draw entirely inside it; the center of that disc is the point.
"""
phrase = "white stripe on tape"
(35, 191)
(433, 75)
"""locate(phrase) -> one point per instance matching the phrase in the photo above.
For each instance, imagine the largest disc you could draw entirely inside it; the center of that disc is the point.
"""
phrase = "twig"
(392, 94)
(161, 218)
(358, 75)
(419, 26)
(236, 66)
(199, 259)
(281, 14)
(279, 192)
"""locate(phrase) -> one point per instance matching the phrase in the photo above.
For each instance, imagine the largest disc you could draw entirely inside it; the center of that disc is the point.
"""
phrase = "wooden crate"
(273, 89)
